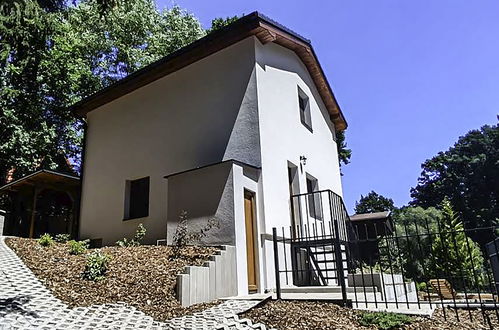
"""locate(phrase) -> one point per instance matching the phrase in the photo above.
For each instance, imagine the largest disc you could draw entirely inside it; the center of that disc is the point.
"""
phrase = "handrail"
(315, 192)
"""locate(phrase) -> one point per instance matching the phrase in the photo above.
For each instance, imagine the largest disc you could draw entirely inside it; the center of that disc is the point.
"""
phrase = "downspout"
(82, 171)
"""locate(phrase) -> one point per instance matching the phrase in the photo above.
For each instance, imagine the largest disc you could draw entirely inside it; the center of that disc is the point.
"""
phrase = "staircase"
(317, 263)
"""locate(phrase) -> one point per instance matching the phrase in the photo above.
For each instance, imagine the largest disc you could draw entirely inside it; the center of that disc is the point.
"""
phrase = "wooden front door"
(249, 214)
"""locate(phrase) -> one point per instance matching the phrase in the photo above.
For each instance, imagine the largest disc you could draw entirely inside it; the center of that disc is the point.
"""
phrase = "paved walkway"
(25, 303)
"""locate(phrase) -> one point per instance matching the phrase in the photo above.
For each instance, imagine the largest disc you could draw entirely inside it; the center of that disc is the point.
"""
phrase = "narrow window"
(294, 187)
(304, 105)
(137, 198)
(314, 198)
(294, 190)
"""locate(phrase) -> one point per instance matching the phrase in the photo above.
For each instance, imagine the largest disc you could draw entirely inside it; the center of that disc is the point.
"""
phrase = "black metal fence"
(419, 265)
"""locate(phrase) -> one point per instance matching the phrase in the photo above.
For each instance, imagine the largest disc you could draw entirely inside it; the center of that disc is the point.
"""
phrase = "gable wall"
(202, 114)
(284, 138)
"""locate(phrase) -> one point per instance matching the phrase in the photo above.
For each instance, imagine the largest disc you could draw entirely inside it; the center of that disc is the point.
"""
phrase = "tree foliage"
(468, 175)
(431, 243)
(373, 202)
(344, 154)
(453, 254)
(415, 225)
(220, 22)
(54, 53)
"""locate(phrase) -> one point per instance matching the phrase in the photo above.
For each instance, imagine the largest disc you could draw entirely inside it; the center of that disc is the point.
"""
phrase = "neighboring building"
(227, 128)
(369, 228)
(42, 202)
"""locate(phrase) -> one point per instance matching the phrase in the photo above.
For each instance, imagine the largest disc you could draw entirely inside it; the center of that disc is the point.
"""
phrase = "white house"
(227, 128)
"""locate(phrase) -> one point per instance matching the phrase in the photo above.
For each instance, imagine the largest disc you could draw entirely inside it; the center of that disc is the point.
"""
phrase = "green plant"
(183, 237)
(62, 238)
(136, 240)
(383, 320)
(45, 240)
(96, 266)
(454, 254)
(76, 248)
(421, 286)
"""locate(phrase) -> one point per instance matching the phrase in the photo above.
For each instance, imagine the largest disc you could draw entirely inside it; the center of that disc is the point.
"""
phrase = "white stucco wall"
(240, 103)
(188, 119)
(284, 138)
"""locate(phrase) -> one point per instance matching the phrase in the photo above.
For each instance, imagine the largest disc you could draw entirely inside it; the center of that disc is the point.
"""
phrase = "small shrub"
(183, 237)
(384, 320)
(45, 240)
(136, 240)
(76, 248)
(62, 238)
(421, 286)
(96, 266)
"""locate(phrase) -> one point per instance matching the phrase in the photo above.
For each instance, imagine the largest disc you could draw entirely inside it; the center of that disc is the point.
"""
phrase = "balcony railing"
(316, 214)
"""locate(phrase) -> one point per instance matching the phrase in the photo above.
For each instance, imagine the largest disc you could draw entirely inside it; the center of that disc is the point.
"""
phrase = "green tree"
(373, 202)
(453, 254)
(28, 125)
(219, 22)
(53, 53)
(468, 175)
(344, 154)
(415, 226)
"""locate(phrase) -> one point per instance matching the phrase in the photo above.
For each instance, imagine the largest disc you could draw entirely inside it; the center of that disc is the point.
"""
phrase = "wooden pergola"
(31, 198)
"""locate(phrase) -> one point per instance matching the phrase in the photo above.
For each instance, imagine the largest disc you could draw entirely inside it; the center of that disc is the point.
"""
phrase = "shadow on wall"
(204, 194)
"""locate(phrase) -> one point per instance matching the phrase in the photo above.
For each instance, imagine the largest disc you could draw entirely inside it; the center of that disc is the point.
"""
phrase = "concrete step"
(325, 289)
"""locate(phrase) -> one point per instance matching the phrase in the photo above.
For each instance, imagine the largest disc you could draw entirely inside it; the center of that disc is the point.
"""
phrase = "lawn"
(143, 276)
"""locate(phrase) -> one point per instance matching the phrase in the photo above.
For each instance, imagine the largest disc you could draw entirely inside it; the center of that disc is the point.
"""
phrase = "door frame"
(251, 196)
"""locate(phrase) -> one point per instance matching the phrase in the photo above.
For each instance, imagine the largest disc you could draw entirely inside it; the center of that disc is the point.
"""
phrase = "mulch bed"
(297, 315)
(143, 277)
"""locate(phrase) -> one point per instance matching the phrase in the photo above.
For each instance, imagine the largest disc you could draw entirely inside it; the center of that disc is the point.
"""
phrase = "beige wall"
(190, 118)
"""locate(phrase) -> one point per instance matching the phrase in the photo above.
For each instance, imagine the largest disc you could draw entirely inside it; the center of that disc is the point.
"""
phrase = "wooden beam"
(36, 190)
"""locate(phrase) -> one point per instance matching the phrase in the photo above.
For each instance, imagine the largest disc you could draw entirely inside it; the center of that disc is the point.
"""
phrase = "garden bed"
(143, 276)
(298, 315)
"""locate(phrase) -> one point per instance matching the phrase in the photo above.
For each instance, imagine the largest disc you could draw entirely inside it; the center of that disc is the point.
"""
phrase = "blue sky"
(410, 76)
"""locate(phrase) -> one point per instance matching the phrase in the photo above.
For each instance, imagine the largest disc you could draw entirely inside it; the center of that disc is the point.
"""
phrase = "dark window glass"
(304, 105)
(314, 198)
(137, 198)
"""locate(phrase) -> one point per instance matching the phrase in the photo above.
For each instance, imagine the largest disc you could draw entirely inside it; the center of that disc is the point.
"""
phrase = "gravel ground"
(143, 277)
(297, 315)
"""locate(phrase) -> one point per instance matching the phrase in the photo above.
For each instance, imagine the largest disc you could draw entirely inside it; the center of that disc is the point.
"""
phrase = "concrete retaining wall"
(390, 286)
(217, 278)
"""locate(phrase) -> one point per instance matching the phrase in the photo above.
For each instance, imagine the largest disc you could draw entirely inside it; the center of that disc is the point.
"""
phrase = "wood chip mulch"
(298, 315)
(143, 277)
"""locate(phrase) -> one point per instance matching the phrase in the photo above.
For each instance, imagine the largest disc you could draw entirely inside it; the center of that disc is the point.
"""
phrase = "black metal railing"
(312, 251)
(416, 265)
(316, 213)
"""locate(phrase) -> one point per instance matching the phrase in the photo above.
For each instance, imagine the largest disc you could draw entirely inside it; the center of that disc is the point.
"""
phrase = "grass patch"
(384, 320)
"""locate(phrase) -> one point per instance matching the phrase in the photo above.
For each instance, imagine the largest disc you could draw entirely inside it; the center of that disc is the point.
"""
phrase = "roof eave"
(254, 24)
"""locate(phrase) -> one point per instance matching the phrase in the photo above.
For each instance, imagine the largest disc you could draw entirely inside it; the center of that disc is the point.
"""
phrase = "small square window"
(137, 198)
(304, 105)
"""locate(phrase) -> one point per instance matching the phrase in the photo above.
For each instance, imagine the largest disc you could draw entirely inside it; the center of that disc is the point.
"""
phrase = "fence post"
(339, 263)
(276, 264)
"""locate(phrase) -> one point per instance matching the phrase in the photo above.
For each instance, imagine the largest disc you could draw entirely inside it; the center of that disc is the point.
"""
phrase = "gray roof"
(370, 216)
